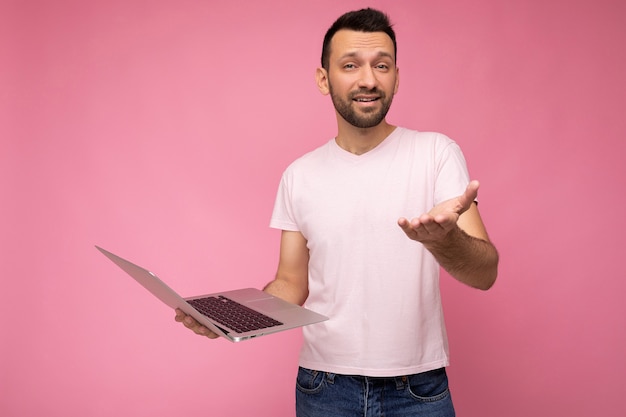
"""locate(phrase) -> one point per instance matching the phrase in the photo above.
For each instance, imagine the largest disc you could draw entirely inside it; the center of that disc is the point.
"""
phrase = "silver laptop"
(236, 315)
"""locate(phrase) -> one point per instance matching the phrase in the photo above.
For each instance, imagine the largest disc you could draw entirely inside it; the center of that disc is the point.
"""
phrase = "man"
(384, 349)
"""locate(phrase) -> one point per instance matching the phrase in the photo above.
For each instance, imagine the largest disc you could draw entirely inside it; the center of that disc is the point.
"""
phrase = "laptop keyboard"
(232, 314)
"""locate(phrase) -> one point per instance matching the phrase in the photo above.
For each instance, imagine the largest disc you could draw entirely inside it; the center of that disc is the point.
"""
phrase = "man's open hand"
(438, 222)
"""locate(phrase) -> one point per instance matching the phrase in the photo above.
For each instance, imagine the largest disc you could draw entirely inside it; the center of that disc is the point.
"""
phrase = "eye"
(349, 66)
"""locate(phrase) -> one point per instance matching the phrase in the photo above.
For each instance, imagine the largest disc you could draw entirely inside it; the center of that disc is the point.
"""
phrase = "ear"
(395, 90)
(321, 77)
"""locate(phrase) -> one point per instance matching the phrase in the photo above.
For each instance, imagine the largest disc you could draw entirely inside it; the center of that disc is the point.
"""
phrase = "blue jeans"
(323, 394)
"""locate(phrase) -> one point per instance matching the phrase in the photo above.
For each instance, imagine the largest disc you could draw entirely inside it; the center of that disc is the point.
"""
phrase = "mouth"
(366, 100)
(367, 96)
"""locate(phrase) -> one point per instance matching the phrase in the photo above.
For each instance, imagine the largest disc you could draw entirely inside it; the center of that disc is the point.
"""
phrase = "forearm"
(469, 259)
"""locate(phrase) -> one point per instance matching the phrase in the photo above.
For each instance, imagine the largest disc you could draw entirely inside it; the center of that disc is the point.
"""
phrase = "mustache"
(373, 91)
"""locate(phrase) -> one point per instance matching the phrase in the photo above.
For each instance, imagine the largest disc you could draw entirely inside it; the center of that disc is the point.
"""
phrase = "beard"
(364, 118)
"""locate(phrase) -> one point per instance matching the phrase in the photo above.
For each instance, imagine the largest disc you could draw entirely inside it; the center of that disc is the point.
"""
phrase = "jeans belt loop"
(401, 382)
(330, 377)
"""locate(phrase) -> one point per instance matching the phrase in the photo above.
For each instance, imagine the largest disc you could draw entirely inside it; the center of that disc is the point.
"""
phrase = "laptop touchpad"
(271, 304)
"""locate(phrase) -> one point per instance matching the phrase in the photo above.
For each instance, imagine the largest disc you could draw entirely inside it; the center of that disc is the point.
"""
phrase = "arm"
(291, 282)
(292, 277)
(454, 233)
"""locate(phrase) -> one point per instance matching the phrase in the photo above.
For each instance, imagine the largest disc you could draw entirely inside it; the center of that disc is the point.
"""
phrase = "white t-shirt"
(379, 288)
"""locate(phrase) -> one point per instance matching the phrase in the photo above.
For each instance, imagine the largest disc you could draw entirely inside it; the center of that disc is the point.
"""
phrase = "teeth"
(365, 99)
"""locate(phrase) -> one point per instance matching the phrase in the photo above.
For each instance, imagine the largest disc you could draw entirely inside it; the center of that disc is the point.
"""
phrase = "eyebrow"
(381, 54)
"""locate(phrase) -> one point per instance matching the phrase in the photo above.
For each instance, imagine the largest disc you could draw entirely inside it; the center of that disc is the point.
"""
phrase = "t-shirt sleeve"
(283, 216)
(452, 176)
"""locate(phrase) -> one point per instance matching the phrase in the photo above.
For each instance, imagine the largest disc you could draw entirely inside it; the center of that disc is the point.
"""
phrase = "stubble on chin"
(362, 118)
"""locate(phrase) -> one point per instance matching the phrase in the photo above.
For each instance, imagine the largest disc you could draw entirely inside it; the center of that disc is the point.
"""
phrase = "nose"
(367, 78)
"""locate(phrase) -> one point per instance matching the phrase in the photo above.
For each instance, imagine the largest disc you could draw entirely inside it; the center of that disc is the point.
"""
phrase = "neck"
(358, 140)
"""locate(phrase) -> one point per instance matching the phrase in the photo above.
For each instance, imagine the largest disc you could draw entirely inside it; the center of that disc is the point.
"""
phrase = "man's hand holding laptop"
(193, 325)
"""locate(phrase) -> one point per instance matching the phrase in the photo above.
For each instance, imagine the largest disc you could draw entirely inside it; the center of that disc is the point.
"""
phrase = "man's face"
(362, 76)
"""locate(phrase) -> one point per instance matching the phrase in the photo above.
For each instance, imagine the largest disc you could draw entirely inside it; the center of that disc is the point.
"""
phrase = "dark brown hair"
(364, 20)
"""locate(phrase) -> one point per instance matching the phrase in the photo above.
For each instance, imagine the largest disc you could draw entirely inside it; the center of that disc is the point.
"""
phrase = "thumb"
(469, 196)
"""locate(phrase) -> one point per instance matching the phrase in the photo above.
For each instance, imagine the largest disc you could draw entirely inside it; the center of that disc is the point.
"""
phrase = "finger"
(426, 224)
(404, 223)
(470, 194)
(187, 320)
(204, 331)
(195, 327)
(180, 315)
(423, 221)
(190, 323)
(208, 333)
(447, 220)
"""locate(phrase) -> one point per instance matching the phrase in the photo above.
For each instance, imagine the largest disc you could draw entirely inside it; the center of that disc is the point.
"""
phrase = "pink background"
(159, 130)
